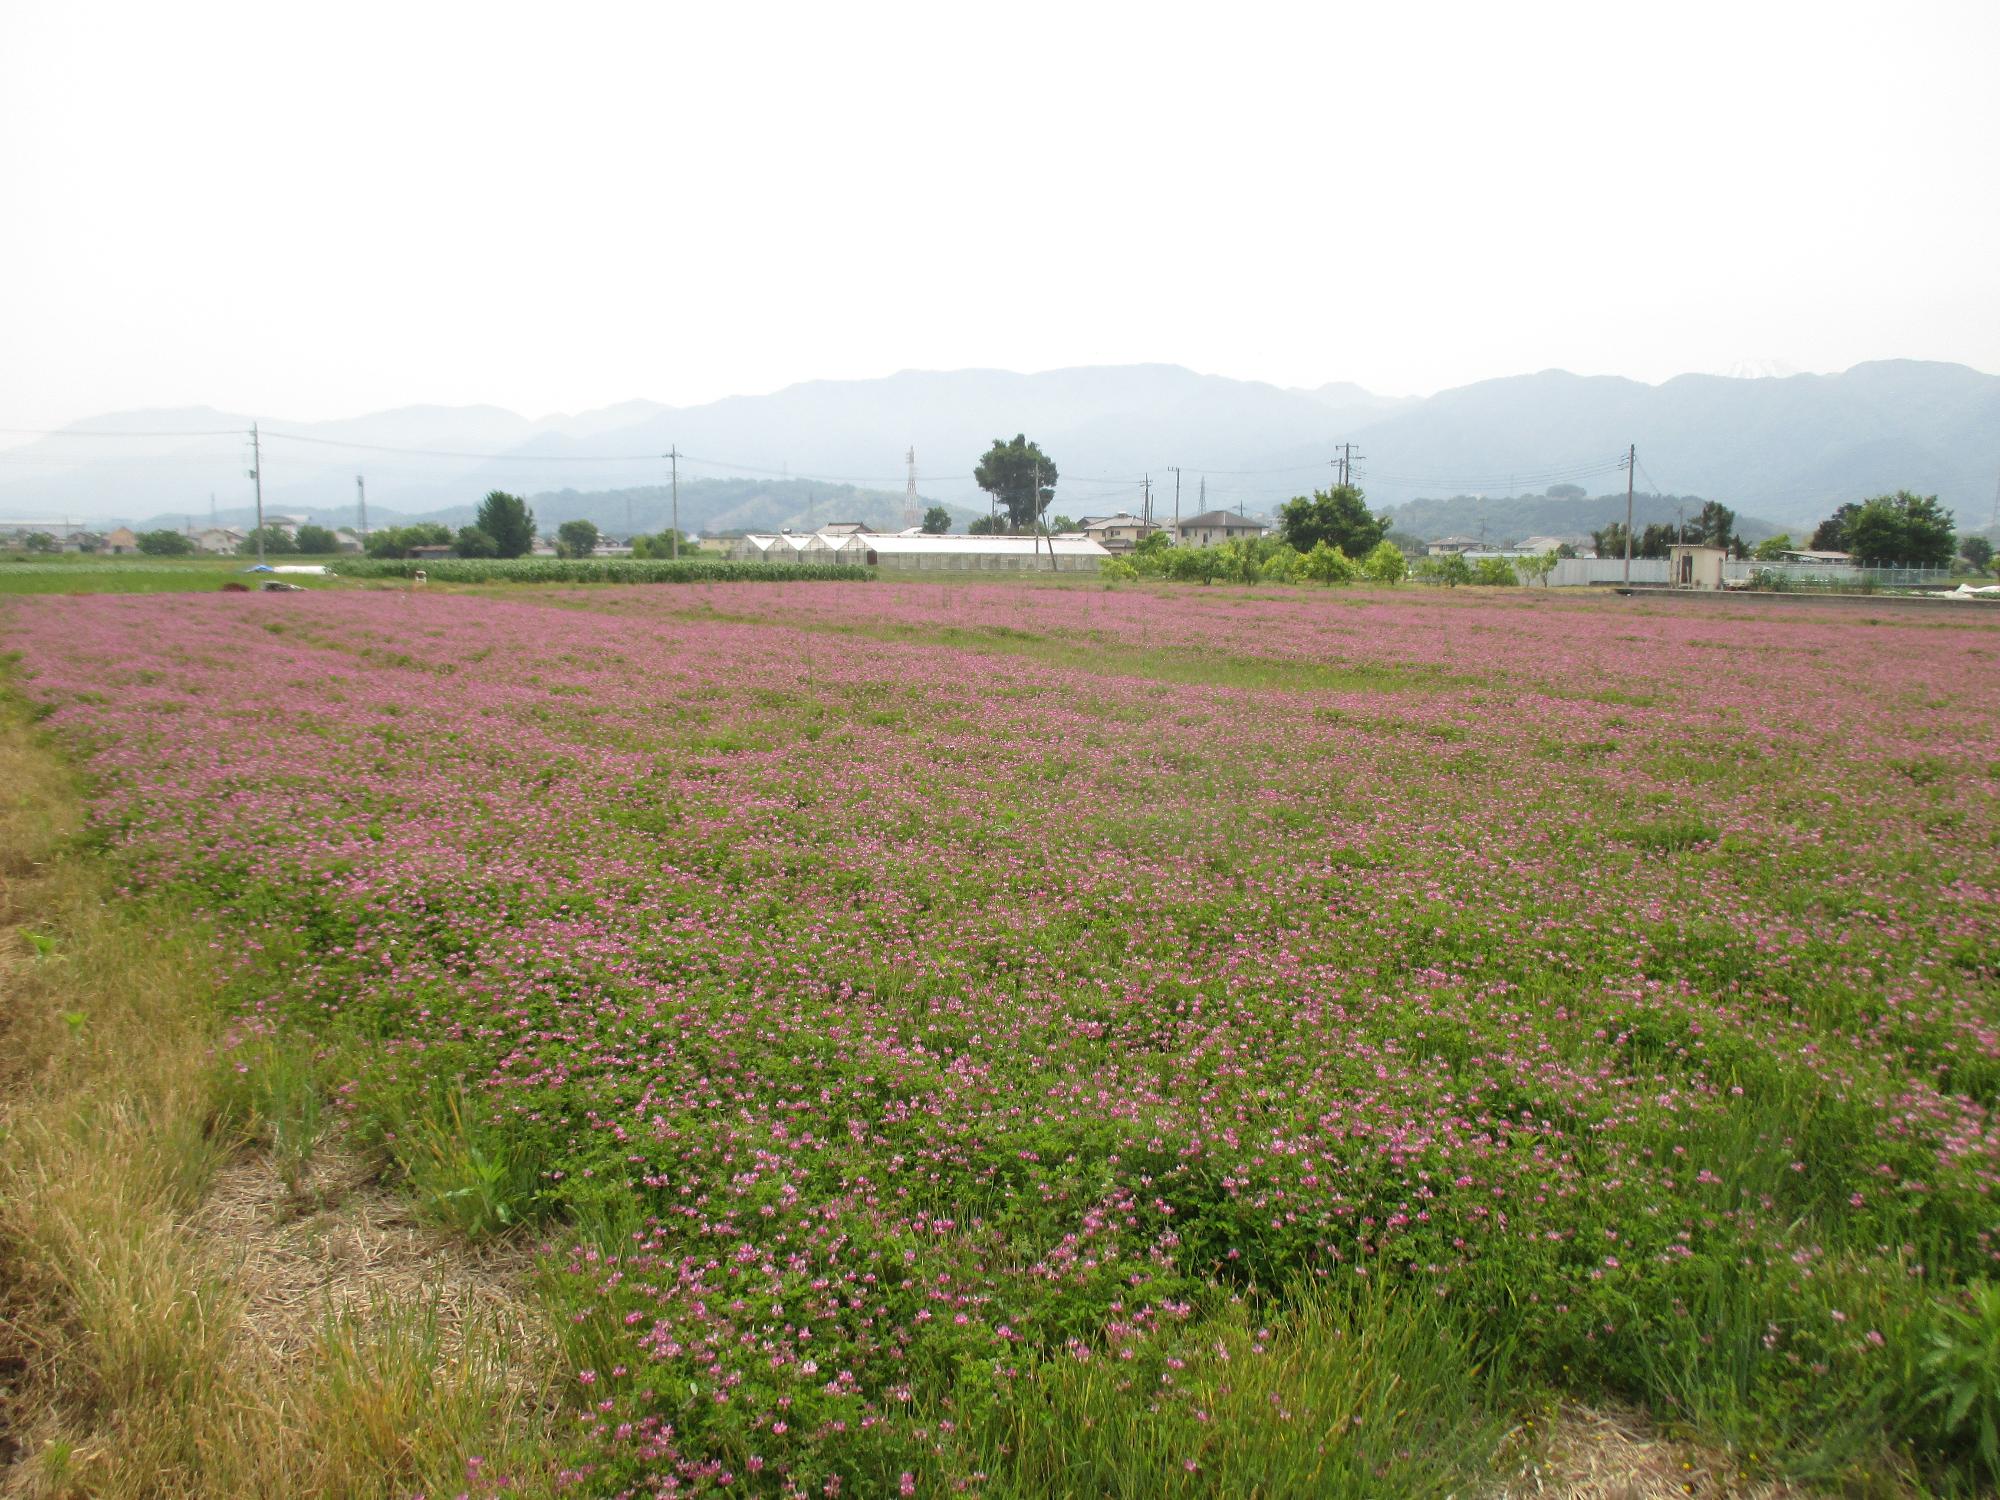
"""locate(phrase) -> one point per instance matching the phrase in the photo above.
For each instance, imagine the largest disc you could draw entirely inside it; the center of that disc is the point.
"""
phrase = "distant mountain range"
(1782, 449)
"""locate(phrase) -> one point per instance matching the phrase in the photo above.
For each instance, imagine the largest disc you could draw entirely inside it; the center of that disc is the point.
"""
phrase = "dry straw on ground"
(346, 1245)
(1614, 1453)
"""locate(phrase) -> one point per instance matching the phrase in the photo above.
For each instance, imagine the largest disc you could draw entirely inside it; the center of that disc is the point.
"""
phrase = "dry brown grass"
(173, 1320)
(1614, 1453)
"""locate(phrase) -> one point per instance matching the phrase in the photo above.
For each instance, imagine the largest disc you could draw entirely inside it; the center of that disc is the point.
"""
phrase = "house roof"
(1123, 518)
(1226, 520)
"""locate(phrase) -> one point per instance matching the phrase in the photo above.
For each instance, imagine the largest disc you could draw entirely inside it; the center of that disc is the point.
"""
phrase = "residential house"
(1447, 546)
(121, 541)
(1119, 533)
(62, 533)
(220, 540)
(1214, 527)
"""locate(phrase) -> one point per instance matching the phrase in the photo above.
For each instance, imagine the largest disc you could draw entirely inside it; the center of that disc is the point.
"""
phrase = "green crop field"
(900, 1039)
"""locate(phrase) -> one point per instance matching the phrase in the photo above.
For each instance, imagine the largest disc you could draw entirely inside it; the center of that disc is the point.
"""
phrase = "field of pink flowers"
(935, 1028)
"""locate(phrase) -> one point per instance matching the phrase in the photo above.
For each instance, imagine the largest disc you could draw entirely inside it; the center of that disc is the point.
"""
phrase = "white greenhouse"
(925, 553)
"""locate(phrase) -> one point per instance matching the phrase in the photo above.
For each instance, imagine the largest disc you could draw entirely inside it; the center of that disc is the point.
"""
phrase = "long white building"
(924, 552)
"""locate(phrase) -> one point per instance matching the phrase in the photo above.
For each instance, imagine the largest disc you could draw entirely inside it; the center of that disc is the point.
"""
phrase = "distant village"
(1092, 541)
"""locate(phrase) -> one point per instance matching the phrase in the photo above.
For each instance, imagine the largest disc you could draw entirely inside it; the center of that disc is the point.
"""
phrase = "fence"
(1573, 571)
(1652, 572)
(1822, 576)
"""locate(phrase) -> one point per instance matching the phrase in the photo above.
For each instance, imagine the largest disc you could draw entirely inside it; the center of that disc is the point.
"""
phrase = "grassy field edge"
(126, 1364)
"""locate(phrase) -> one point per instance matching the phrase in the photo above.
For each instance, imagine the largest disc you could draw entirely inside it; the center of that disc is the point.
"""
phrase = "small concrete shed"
(1691, 566)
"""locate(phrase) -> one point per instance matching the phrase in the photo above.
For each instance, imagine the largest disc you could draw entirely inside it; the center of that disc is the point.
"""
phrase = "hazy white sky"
(314, 211)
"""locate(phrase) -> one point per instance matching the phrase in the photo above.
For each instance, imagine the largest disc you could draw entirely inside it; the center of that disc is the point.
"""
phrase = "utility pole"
(910, 491)
(361, 501)
(673, 457)
(1631, 468)
(1035, 515)
(257, 473)
(1345, 463)
(1177, 497)
(1146, 500)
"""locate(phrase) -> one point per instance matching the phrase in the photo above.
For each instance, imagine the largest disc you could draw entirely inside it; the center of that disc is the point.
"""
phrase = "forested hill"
(1503, 519)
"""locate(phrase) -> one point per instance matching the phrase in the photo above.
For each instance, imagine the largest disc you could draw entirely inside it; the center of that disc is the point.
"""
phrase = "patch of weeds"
(1669, 835)
(470, 1176)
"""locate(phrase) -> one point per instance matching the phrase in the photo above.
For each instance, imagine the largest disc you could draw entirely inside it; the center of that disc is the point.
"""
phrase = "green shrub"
(1386, 564)
(1284, 565)
(1328, 564)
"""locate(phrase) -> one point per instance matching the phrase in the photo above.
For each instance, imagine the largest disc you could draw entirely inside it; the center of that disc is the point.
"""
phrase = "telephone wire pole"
(1631, 468)
(673, 457)
(257, 473)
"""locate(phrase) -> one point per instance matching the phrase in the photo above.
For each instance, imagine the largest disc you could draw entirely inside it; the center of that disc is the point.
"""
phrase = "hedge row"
(595, 570)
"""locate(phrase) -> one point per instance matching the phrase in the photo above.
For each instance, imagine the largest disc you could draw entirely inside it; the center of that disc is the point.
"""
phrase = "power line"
(1512, 477)
(550, 458)
(74, 432)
